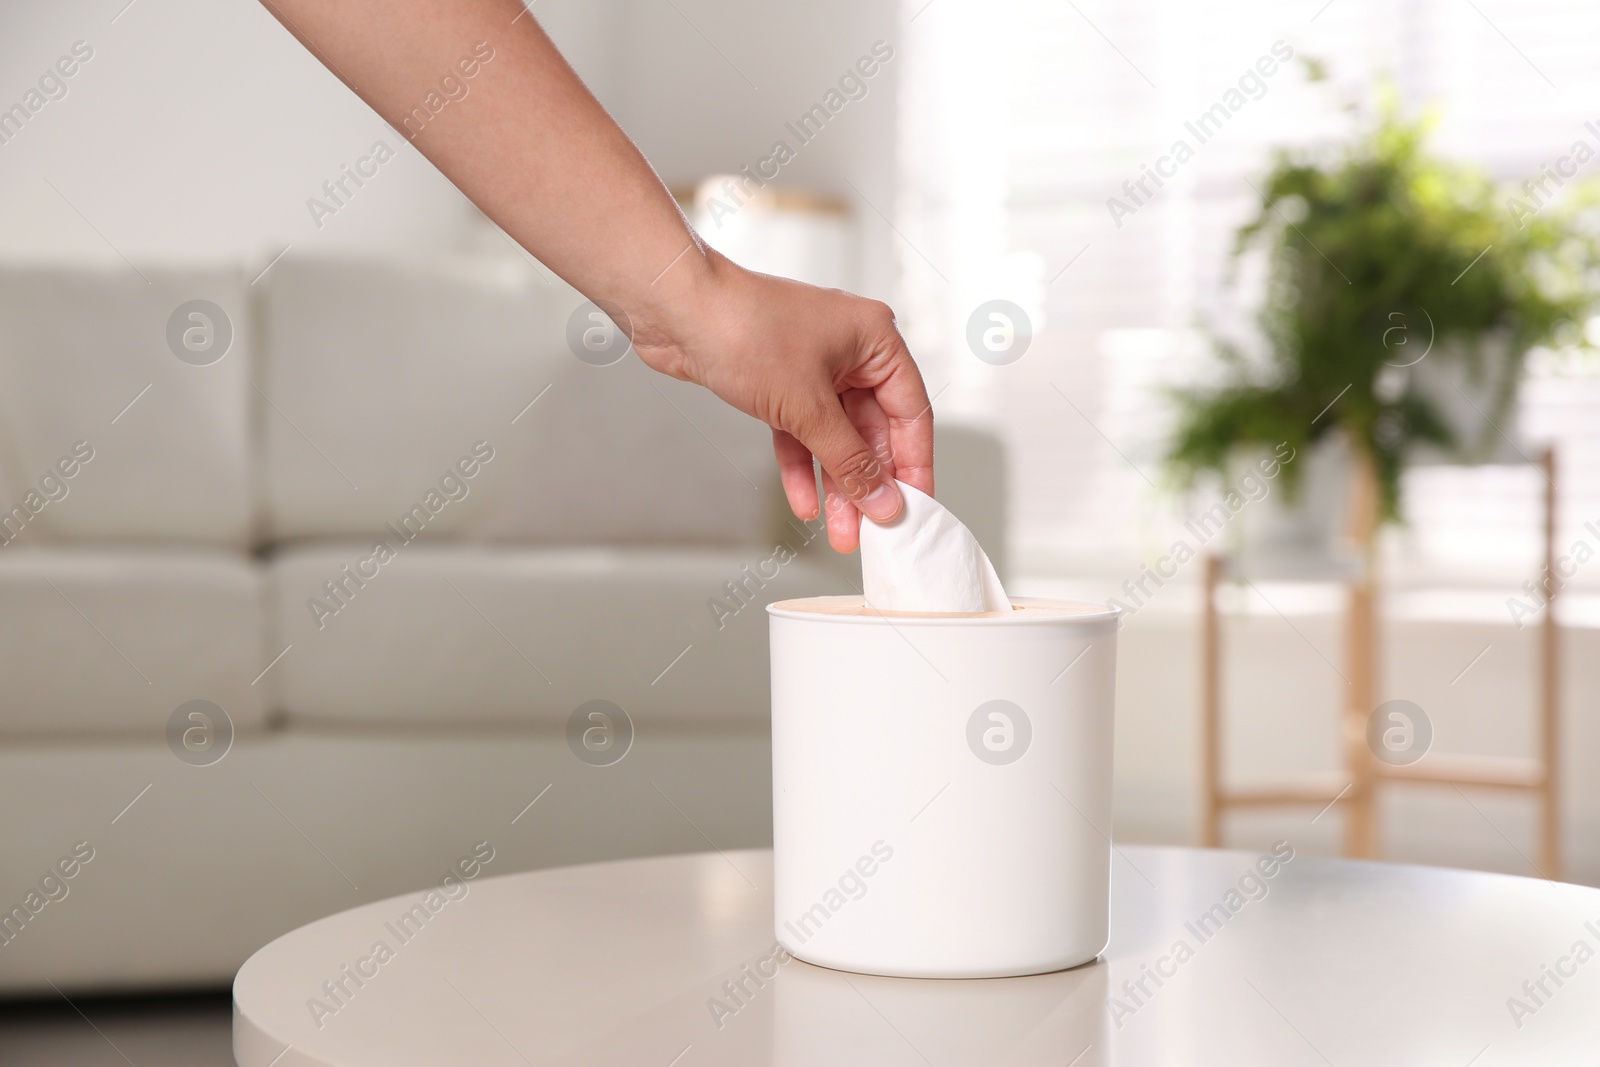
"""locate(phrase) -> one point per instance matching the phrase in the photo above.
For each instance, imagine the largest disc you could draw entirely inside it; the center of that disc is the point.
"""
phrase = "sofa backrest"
(445, 394)
(158, 449)
(354, 393)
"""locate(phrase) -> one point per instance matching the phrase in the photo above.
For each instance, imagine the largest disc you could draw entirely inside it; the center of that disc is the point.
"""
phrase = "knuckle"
(816, 410)
(881, 314)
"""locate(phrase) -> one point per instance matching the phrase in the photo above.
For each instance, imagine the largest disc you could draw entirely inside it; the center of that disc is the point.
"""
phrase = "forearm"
(528, 143)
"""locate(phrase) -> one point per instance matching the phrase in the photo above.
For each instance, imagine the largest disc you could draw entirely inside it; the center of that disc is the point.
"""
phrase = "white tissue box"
(942, 786)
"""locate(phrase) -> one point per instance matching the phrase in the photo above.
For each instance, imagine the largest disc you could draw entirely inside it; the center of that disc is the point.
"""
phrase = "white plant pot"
(1467, 401)
(942, 787)
(1306, 536)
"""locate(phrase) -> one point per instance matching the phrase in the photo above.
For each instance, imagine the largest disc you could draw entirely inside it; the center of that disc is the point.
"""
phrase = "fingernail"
(882, 504)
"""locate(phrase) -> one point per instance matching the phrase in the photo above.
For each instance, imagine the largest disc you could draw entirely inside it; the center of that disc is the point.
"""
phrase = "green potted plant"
(1399, 286)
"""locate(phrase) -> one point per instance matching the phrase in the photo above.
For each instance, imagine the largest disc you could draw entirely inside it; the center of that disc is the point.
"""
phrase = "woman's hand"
(828, 371)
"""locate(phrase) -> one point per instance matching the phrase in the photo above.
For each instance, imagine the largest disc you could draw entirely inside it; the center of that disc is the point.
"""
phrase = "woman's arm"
(533, 148)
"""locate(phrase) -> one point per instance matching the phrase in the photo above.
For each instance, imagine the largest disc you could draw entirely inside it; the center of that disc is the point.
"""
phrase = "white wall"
(200, 127)
(706, 86)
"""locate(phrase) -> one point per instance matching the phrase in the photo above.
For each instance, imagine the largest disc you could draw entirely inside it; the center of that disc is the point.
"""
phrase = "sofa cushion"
(113, 641)
(458, 635)
(85, 357)
(379, 378)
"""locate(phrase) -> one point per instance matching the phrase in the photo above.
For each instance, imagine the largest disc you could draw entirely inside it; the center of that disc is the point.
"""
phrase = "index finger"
(904, 399)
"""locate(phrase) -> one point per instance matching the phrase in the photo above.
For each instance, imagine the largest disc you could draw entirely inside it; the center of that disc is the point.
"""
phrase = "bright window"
(1022, 117)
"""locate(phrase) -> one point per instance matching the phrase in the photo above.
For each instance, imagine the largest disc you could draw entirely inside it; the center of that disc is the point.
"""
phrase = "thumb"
(846, 457)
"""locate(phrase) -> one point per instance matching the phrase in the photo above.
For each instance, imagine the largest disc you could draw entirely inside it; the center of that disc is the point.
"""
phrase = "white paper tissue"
(927, 561)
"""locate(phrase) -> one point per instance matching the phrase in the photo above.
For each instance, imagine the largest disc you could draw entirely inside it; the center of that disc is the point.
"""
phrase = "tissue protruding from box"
(925, 560)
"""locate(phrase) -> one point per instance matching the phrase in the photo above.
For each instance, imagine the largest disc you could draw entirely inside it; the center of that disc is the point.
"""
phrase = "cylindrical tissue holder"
(941, 786)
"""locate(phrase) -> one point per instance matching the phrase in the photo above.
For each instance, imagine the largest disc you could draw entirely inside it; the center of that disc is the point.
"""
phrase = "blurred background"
(1352, 650)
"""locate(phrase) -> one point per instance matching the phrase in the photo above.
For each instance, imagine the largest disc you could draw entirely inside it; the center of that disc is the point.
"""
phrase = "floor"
(190, 1030)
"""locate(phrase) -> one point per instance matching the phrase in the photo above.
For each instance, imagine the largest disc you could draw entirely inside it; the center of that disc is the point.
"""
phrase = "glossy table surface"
(644, 962)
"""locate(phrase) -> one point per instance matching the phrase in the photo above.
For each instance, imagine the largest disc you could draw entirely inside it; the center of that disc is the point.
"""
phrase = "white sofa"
(379, 739)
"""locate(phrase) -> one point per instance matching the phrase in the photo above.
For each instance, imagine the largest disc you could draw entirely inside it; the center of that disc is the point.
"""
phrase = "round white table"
(668, 962)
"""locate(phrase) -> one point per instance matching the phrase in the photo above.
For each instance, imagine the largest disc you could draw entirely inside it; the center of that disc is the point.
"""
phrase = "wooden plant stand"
(1364, 775)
